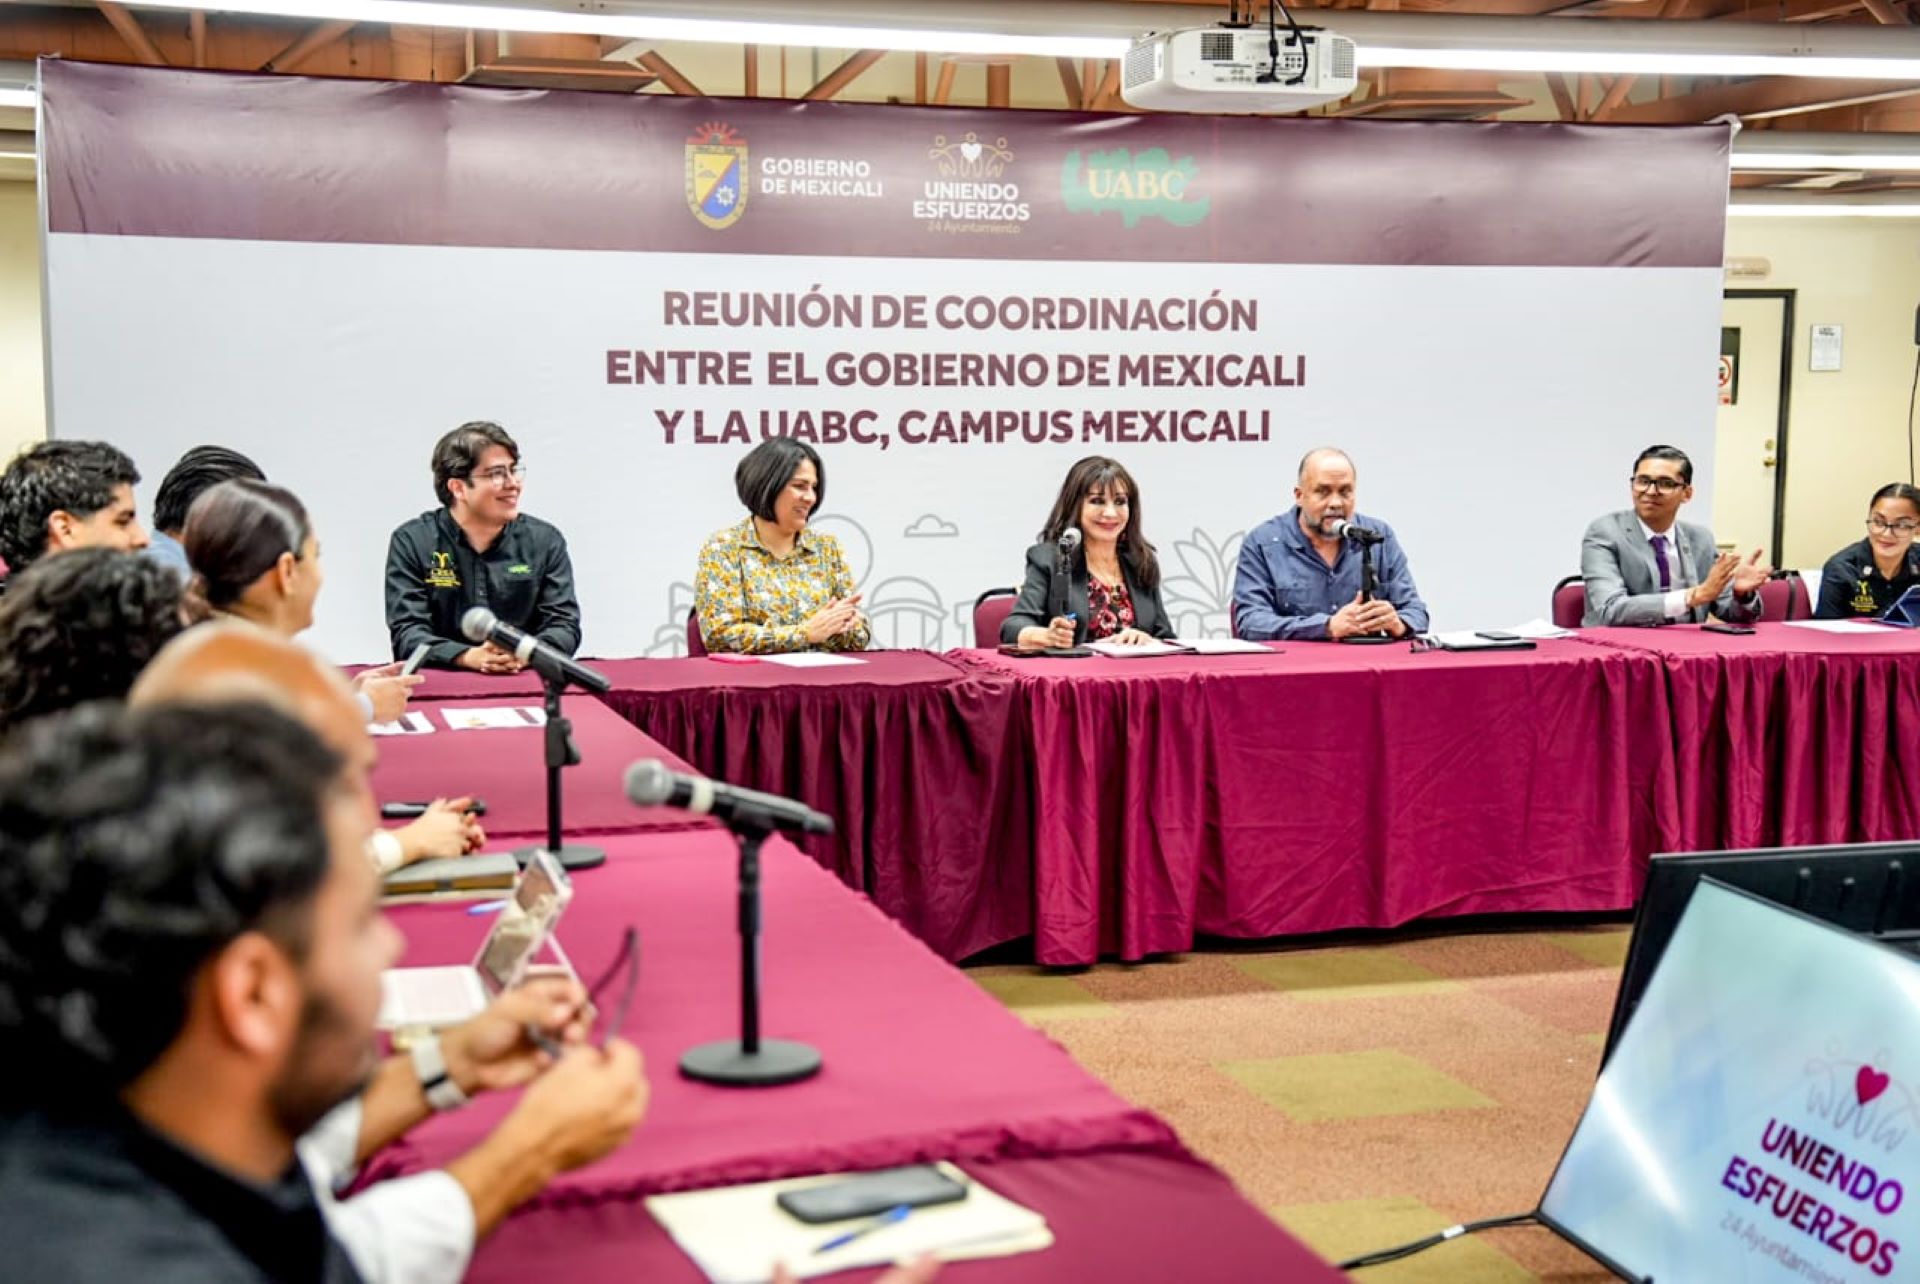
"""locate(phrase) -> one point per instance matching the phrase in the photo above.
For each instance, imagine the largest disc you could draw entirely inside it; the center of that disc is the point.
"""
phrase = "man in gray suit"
(1644, 567)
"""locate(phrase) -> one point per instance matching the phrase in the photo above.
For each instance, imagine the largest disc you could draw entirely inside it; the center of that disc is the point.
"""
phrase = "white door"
(1747, 453)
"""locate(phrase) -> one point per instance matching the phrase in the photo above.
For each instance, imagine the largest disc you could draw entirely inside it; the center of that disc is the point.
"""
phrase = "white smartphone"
(415, 660)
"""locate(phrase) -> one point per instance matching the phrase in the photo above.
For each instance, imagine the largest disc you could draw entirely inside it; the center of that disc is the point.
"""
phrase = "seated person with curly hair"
(80, 626)
(58, 495)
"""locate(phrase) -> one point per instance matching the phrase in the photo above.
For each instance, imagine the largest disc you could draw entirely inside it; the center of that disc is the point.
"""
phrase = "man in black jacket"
(478, 549)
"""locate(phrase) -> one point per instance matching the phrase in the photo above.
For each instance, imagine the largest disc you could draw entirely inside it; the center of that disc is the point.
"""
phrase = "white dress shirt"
(410, 1230)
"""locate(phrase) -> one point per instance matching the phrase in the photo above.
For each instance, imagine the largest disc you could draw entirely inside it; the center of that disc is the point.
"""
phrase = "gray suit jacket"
(1623, 583)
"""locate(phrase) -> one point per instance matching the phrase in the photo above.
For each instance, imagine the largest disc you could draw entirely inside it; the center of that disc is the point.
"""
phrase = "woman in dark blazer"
(1113, 577)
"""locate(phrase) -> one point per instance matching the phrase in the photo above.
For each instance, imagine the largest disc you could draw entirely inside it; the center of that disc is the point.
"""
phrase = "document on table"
(1224, 646)
(1838, 626)
(1139, 651)
(812, 659)
(1535, 630)
(412, 723)
(1178, 646)
(735, 1235)
(507, 718)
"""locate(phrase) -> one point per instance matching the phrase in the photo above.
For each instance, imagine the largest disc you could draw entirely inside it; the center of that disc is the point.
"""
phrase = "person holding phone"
(1864, 579)
(1113, 575)
(255, 557)
(772, 583)
(1645, 566)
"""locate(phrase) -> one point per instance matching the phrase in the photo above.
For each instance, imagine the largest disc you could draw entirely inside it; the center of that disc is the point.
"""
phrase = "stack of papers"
(737, 1234)
(509, 718)
(1179, 646)
(812, 659)
(1839, 626)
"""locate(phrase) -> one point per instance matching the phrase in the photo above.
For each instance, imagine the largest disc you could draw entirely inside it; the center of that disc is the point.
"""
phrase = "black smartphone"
(410, 810)
(918, 1186)
(1721, 626)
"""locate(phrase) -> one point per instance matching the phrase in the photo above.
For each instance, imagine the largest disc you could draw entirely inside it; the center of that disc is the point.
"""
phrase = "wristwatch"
(428, 1062)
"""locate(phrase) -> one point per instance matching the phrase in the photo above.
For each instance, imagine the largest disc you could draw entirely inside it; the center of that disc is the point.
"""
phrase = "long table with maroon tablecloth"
(917, 757)
(506, 767)
(919, 1064)
(1790, 735)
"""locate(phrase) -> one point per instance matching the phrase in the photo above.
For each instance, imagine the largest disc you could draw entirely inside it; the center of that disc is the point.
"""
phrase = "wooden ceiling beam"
(133, 33)
(316, 39)
(843, 75)
(669, 74)
(1760, 99)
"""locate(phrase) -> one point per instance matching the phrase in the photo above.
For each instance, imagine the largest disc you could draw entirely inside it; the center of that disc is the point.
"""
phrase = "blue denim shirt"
(1284, 589)
(166, 550)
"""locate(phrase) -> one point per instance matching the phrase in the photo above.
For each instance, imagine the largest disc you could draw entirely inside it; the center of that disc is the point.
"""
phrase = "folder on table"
(736, 1234)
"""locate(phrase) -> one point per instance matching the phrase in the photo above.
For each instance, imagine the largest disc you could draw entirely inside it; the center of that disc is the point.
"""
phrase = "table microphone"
(481, 625)
(651, 783)
(1344, 529)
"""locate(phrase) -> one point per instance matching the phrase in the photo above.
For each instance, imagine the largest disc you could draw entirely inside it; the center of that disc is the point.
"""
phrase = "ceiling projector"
(1232, 69)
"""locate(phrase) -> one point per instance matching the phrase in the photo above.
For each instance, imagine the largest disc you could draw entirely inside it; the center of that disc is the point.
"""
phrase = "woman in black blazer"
(1113, 578)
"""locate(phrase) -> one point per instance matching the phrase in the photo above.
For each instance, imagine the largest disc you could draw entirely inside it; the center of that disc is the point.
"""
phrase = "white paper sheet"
(1838, 626)
(812, 659)
(506, 718)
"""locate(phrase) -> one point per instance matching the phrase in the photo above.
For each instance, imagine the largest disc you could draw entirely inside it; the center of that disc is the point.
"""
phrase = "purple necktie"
(1660, 560)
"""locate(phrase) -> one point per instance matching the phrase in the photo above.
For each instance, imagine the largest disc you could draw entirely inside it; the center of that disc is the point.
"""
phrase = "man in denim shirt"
(1298, 581)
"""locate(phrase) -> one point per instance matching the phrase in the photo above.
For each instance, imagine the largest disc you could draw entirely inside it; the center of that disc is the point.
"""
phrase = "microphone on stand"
(481, 625)
(1344, 529)
(651, 783)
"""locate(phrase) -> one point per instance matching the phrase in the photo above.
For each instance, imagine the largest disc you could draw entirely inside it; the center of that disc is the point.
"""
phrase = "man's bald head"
(233, 661)
(1311, 461)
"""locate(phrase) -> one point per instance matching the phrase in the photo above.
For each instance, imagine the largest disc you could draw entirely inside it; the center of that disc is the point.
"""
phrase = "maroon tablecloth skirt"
(508, 769)
(919, 760)
(1323, 787)
(1790, 735)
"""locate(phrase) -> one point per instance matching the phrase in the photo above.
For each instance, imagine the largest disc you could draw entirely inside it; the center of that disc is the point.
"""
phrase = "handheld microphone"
(1343, 529)
(481, 625)
(651, 783)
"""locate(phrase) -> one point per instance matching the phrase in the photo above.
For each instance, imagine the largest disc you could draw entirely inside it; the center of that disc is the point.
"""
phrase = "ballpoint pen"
(888, 1218)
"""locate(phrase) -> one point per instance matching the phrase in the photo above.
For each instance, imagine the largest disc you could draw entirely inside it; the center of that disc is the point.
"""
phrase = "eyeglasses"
(498, 476)
(1902, 527)
(628, 955)
(1664, 485)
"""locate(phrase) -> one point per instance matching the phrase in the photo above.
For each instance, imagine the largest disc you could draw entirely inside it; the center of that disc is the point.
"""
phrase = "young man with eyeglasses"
(1644, 566)
(1862, 580)
(478, 549)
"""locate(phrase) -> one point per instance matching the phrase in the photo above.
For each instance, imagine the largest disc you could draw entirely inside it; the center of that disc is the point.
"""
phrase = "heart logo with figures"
(970, 149)
(1869, 1083)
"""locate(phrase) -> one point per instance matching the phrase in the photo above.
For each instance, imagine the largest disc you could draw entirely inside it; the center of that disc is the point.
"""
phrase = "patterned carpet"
(1363, 1093)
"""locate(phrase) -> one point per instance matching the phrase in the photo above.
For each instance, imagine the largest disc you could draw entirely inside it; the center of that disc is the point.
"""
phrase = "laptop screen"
(1758, 1119)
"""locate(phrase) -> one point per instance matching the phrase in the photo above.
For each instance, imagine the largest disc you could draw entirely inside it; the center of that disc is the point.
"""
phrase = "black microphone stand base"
(570, 855)
(727, 1064)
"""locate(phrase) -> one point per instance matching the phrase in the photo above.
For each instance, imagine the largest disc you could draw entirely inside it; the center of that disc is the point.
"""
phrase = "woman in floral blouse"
(770, 583)
(1113, 578)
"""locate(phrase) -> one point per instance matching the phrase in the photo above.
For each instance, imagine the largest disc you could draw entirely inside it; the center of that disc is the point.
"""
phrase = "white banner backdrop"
(1492, 411)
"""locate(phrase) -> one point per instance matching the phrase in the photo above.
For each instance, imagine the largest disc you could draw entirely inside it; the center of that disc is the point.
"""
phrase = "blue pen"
(487, 907)
(888, 1218)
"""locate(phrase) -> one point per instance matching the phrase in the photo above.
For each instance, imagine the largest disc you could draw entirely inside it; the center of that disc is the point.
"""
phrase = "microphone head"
(1339, 527)
(1069, 539)
(477, 623)
(649, 783)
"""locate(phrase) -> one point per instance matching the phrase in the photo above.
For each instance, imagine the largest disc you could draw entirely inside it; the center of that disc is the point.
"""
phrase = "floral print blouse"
(748, 600)
(1109, 609)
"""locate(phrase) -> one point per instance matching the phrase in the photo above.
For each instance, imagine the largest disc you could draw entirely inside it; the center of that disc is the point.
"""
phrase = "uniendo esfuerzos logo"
(1150, 185)
(1827, 1173)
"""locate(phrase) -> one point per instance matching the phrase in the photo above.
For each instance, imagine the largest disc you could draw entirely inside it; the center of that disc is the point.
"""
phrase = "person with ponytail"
(255, 557)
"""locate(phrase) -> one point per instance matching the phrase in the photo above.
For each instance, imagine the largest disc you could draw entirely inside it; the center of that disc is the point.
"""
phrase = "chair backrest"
(1569, 602)
(990, 611)
(696, 645)
(1785, 599)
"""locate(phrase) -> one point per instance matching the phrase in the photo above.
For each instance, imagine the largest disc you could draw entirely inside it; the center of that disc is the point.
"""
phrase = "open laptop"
(431, 997)
(1759, 1119)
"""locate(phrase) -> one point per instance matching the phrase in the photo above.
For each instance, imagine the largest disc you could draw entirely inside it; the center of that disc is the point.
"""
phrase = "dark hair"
(1082, 479)
(77, 477)
(197, 471)
(457, 454)
(767, 469)
(81, 625)
(1897, 490)
(139, 845)
(1671, 453)
(235, 534)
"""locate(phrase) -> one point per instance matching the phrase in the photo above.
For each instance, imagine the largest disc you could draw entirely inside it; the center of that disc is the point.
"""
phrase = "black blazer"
(1031, 611)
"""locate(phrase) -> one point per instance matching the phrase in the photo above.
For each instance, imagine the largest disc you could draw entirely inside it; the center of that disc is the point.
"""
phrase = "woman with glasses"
(1865, 579)
(255, 557)
(478, 549)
